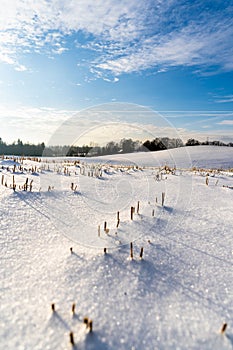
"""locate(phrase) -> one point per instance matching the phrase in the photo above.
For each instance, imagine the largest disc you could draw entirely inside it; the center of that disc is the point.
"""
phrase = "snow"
(177, 297)
(187, 157)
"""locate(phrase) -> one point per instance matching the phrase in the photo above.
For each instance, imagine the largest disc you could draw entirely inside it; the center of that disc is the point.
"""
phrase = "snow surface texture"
(176, 297)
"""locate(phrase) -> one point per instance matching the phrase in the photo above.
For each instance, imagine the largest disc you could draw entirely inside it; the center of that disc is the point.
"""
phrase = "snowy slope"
(176, 297)
(185, 157)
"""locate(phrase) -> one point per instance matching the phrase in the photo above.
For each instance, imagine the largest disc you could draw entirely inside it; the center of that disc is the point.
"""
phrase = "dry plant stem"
(141, 253)
(224, 327)
(71, 338)
(73, 308)
(131, 250)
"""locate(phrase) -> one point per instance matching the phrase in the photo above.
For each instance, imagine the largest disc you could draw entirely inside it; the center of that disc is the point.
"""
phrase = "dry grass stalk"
(14, 184)
(71, 338)
(86, 321)
(131, 250)
(163, 198)
(132, 211)
(73, 308)
(25, 186)
(224, 327)
(141, 253)
(90, 325)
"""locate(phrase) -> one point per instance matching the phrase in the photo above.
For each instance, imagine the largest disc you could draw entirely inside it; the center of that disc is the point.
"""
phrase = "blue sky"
(59, 57)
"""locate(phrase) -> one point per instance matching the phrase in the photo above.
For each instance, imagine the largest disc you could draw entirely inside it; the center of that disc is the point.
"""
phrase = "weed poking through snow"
(131, 250)
(141, 253)
(71, 338)
(90, 325)
(163, 198)
(85, 321)
(132, 211)
(224, 327)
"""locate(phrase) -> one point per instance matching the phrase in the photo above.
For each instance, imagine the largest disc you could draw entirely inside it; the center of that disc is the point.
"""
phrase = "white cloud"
(225, 99)
(20, 68)
(192, 46)
(100, 124)
(213, 114)
(31, 124)
(40, 25)
(103, 133)
(126, 35)
(206, 126)
(226, 122)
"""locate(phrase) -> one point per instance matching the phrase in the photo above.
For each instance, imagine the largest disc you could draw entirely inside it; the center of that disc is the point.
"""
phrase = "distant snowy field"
(198, 156)
(176, 297)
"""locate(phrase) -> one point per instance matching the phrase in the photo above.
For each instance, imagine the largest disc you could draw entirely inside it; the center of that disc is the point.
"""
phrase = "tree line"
(19, 148)
(193, 142)
(123, 146)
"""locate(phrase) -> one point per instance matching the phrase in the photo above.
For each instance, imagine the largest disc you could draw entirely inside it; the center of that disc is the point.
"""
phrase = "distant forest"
(124, 146)
(21, 149)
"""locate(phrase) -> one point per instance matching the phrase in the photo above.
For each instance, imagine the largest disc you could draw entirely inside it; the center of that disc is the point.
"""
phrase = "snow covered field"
(176, 297)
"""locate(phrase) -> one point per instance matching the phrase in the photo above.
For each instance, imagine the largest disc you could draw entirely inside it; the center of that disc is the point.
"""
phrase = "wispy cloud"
(100, 124)
(125, 36)
(34, 124)
(225, 99)
(226, 122)
(201, 115)
(191, 46)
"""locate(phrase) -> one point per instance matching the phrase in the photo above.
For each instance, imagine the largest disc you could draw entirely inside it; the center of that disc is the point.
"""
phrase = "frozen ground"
(176, 297)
